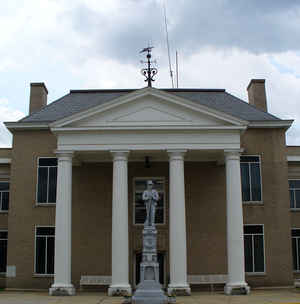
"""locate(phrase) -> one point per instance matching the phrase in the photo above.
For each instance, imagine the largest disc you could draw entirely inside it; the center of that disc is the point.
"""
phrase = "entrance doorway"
(161, 262)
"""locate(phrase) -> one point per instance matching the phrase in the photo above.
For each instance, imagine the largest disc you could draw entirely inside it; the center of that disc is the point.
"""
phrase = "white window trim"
(298, 259)
(37, 203)
(4, 230)
(165, 198)
(4, 211)
(263, 234)
(34, 263)
(294, 208)
(261, 184)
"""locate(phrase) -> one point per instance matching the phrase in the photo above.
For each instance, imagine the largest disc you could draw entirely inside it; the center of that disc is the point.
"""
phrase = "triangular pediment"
(149, 108)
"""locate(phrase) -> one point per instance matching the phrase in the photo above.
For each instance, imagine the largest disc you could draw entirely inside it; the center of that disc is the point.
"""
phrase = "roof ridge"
(102, 90)
(131, 90)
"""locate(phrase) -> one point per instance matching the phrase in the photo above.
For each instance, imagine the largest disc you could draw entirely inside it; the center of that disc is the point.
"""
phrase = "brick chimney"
(257, 94)
(38, 96)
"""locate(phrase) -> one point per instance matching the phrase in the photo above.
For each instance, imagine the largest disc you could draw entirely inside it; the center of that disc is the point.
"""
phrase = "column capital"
(176, 154)
(120, 155)
(64, 155)
(233, 154)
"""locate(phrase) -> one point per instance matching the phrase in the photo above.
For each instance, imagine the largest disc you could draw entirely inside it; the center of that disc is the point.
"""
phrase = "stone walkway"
(279, 296)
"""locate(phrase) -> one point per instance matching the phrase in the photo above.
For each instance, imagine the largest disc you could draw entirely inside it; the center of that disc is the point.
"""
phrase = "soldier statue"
(150, 197)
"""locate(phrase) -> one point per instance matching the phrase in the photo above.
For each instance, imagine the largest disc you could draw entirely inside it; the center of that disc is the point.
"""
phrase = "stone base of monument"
(62, 290)
(179, 290)
(242, 289)
(149, 291)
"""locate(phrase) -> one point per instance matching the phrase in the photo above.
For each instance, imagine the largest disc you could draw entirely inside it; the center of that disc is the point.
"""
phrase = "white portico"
(148, 120)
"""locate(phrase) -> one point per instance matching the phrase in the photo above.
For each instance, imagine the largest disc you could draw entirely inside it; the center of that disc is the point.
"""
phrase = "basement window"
(44, 250)
(3, 250)
(4, 196)
(47, 180)
(294, 188)
(251, 178)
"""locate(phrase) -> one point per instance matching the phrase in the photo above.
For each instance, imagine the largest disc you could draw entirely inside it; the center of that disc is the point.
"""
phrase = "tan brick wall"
(274, 213)
(293, 150)
(205, 212)
(5, 152)
(23, 214)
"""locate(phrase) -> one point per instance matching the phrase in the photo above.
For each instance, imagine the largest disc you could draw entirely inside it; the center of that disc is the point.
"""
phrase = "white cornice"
(25, 126)
(293, 158)
(145, 128)
(5, 160)
(271, 124)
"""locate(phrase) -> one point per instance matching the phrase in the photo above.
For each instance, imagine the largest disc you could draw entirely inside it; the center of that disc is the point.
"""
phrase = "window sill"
(45, 204)
(254, 274)
(39, 275)
(256, 203)
(295, 210)
(3, 211)
(142, 225)
(2, 274)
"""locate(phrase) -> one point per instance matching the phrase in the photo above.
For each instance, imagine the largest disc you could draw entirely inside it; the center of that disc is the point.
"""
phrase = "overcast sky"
(82, 44)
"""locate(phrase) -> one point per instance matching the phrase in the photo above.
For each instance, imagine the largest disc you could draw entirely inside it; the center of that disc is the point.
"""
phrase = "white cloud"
(7, 114)
(40, 42)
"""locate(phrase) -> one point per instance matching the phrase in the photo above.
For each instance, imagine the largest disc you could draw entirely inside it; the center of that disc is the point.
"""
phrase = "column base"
(62, 290)
(119, 290)
(179, 290)
(237, 289)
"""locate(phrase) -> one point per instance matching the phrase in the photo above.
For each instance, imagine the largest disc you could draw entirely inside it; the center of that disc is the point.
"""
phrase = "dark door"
(161, 262)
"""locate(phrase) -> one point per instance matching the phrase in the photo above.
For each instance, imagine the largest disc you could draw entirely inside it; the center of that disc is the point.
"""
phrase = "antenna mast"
(168, 45)
(177, 69)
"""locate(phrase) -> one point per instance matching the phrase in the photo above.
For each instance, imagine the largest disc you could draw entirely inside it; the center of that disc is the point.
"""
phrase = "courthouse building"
(70, 191)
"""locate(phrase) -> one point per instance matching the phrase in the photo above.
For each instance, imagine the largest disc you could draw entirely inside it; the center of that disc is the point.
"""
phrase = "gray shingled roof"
(80, 100)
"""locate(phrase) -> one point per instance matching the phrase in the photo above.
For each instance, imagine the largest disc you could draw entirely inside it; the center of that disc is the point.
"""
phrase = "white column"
(63, 226)
(178, 261)
(235, 236)
(120, 251)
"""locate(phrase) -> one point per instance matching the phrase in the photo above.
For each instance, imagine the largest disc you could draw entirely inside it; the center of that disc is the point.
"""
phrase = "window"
(294, 186)
(254, 248)
(296, 249)
(44, 250)
(47, 180)
(251, 178)
(140, 185)
(4, 196)
(3, 250)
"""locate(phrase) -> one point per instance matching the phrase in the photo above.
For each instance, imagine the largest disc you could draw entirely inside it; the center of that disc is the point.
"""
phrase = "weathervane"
(148, 72)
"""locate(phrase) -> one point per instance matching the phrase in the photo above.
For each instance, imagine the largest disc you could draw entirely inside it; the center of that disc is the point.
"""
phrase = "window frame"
(298, 257)
(35, 256)
(261, 183)
(165, 198)
(5, 181)
(294, 209)
(37, 203)
(4, 230)
(263, 235)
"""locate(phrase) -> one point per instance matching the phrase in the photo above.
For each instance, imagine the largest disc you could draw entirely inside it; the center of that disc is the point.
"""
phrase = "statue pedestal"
(149, 289)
